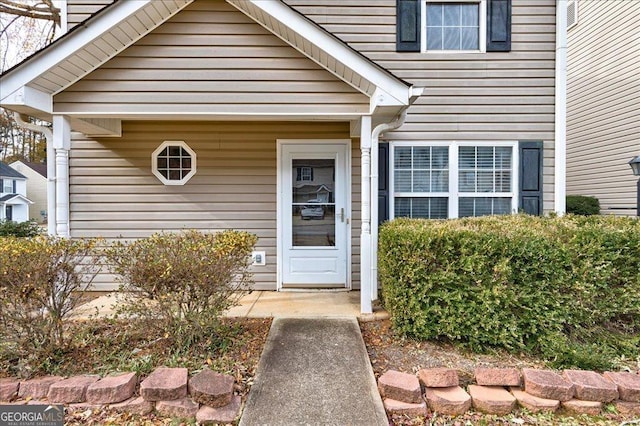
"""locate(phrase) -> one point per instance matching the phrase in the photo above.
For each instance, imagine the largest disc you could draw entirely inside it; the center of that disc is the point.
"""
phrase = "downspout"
(375, 141)
(560, 165)
(51, 168)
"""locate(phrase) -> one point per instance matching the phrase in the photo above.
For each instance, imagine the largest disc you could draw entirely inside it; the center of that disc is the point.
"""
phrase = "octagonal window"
(173, 163)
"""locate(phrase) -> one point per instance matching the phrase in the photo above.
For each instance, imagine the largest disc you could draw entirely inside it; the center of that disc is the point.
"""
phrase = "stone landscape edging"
(207, 396)
(499, 391)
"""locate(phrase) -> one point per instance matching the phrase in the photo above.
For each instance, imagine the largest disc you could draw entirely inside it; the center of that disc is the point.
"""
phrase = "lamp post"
(635, 166)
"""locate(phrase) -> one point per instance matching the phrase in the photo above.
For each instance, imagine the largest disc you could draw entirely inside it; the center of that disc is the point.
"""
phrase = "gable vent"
(572, 13)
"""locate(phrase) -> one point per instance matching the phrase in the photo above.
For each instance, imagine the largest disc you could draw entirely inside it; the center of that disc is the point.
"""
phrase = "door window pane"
(313, 207)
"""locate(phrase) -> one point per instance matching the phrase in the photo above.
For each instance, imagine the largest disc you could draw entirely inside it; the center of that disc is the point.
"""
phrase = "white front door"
(314, 217)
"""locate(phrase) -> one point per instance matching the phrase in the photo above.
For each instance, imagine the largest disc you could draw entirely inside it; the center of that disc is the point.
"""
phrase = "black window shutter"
(383, 182)
(298, 174)
(407, 25)
(499, 26)
(311, 173)
(15, 186)
(530, 197)
(1, 185)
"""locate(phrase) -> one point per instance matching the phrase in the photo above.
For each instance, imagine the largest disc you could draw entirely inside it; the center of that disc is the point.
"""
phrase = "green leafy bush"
(583, 205)
(564, 288)
(41, 280)
(181, 283)
(10, 228)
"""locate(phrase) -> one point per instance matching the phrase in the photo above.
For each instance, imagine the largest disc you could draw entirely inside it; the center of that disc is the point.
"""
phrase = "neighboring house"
(305, 122)
(14, 204)
(36, 174)
(603, 102)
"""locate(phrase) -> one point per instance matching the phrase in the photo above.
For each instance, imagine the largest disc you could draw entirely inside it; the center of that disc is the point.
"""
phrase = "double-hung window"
(457, 179)
(453, 26)
(458, 26)
(7, 185)
(421, 181)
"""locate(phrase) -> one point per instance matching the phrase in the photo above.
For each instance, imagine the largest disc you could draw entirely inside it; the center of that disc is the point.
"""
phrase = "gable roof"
(30, 86)
(6, 171)
(40, 168)
(11, 197)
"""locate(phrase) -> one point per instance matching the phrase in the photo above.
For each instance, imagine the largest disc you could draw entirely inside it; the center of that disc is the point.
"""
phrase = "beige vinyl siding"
(602, 104)
(468, 97)
(210, 58)
(79, 10)
(114, 194)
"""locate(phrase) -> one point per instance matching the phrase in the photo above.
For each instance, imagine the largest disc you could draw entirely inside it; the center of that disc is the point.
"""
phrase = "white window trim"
(482, 36)
(154, 163)
(453, 194)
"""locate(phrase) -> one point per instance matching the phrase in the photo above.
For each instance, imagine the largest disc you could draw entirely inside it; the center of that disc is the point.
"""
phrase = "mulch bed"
(103, 346)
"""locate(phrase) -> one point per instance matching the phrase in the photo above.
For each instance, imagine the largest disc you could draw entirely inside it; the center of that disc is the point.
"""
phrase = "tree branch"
(41, 10)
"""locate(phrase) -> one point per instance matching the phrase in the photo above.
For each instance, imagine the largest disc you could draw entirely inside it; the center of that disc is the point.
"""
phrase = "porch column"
(62, 144)
(51, 187)
(365, 233)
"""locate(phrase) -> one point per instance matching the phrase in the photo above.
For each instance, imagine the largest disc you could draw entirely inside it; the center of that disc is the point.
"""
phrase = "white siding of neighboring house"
(114, 193)
(20, 209)
(603, 111)
(36, 190)
(480, 97)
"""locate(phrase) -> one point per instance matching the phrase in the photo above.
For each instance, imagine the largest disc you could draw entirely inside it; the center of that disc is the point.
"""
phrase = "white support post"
(51, 187)
(62, 144)
(560, 164)
(365, 234)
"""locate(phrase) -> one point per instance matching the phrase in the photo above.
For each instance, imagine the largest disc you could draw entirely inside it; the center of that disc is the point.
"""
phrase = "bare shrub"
(41, 282)
(182, 282)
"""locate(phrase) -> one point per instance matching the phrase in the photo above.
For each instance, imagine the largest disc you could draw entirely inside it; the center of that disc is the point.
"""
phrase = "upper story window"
(452, 26)
(7, 186)
(173, 163)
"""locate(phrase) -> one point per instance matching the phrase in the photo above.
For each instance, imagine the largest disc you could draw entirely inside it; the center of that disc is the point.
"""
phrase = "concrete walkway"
(314, 371)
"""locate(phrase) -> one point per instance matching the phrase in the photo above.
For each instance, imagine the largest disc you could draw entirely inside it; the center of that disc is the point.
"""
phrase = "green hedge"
(583, 205)
(10, 228)
(567, 289)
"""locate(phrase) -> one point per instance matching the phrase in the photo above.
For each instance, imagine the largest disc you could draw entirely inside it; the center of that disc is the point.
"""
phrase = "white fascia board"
(66, 47)
(335, 48)
(26, 96)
